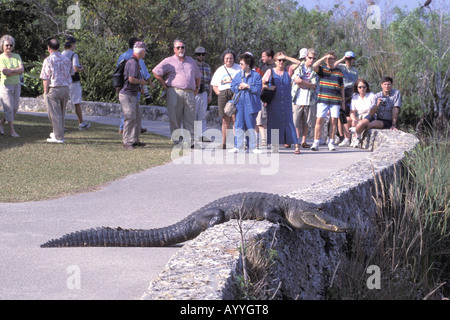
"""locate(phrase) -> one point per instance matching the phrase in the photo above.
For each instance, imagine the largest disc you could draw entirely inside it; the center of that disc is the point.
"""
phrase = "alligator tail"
(118, 237)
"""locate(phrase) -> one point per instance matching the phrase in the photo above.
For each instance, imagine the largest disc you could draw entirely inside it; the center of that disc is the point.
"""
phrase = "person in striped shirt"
(331, 97)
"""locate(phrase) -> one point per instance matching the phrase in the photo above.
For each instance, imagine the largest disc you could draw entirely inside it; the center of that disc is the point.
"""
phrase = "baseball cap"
(200, 50)
(350, 54)
(140, 45)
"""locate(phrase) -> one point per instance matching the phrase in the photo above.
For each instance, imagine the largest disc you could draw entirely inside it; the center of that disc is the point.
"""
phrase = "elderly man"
(180, 77)
(128, 97)
(56, 76)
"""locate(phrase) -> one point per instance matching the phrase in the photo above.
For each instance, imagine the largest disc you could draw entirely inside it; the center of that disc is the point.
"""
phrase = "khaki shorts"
(300, 115)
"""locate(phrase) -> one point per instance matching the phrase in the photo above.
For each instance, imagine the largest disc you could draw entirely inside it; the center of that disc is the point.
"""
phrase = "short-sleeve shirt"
(178, 73)
(57, 69)
(362, 105)
(223, 76)
(350, 75)
(331, 81)
(132, 69)
(10, 63)
(394, 99)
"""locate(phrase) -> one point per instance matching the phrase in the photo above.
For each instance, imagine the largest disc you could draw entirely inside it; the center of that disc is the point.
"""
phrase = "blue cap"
(350, 54)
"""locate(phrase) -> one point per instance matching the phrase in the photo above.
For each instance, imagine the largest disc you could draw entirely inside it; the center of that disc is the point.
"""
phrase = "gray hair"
(8, 38)
(178, 40)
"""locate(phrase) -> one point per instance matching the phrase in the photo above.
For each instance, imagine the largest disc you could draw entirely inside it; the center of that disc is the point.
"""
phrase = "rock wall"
(108, 109)
(209, 266)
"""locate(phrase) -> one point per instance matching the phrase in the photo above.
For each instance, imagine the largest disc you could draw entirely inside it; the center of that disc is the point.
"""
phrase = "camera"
(147, 96)
(383, 101)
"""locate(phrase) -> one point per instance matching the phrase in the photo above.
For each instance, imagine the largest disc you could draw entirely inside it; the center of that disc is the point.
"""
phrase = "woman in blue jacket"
(248, 85)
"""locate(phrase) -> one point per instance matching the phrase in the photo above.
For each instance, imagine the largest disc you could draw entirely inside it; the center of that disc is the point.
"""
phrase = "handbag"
(230, 107)
(267, 95)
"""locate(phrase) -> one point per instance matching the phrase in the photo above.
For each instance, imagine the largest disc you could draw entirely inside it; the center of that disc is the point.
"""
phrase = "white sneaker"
(337, 140)
(315, 146)
(331, 146)
(256, 151)
(234, 150)
(345, 143)
(84, 125)
(53, 140)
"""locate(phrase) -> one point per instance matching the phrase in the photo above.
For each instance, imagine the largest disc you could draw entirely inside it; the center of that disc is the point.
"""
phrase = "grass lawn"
(32, 169)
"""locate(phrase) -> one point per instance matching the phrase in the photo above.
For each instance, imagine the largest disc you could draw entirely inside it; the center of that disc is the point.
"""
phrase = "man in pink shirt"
(180, 77)
(56, 77)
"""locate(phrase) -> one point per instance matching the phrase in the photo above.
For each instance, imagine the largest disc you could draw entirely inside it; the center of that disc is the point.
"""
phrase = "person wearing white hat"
(350, 76)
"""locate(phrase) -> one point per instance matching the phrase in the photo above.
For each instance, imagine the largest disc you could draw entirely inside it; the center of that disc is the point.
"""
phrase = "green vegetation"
(32, 169)
(410, 46)
(412, 235)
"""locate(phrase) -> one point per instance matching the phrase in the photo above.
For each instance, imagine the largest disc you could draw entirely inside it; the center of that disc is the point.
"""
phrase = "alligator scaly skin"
(286, 211)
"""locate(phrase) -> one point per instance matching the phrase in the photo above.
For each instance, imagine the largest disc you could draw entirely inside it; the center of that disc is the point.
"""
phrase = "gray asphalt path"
(154, 198)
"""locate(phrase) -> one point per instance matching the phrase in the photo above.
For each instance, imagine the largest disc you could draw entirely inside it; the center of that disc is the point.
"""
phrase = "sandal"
(305, 145)
(297, 149)
(287, 145)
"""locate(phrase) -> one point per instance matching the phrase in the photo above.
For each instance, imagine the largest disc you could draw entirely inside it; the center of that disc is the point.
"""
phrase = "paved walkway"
(157, 197)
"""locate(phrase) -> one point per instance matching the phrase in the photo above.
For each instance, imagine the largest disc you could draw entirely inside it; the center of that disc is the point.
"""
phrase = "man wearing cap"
(75, 86)
(350, 76)
(128, 97)
(303, 96)
(204, 95)
(180, 77)
(144, 71)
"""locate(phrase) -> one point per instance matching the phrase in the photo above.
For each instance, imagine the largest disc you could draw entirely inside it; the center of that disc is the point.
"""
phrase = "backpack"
(118, 80)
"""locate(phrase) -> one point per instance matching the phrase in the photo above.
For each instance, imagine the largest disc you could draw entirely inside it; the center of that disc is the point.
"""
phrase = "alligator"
(286, 211)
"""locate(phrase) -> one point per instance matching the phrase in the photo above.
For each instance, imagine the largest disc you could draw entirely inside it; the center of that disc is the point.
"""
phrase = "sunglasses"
(9, 45)
(178, 48)
(362, 87)
(281, 60)
(312, 58)
(200, 54)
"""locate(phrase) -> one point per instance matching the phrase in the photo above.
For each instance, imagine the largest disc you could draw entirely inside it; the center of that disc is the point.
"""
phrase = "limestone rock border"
(207, 267)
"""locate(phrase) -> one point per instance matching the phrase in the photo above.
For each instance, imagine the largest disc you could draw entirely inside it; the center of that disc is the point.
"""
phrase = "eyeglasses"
(281, 60)
(312, 58)
(200, 54)
(178, 48)
(362, 87)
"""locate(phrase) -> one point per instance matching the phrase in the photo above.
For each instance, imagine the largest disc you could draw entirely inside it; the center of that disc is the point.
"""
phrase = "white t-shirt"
(362, 105)
(221, 77)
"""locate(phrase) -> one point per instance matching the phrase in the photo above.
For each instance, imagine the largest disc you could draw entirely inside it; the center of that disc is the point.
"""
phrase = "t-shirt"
(132, 69)
(362, 105)
(350, 75)
(223, 76)
(10, 63)
(331, 81)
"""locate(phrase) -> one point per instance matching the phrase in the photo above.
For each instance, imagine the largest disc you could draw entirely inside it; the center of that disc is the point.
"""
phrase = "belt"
(185, 90)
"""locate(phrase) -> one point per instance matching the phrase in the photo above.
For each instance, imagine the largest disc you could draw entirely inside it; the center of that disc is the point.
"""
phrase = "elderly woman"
(221, 82)
(11, 68)
(279, 110)
(247, 83)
